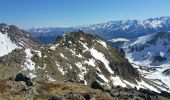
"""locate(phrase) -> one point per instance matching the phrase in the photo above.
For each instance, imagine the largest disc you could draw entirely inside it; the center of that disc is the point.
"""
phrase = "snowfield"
(29, 65)
(100, 56)
(6, 45)
(102, 43)
(151, 52)
(118, 40)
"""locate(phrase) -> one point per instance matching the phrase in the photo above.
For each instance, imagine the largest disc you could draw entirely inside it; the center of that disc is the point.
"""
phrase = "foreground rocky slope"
(21, 87)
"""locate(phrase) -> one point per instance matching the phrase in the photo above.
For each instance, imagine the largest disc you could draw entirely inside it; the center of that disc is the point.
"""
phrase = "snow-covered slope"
(6, 45)
(11, 38)
(150, 54)
(149, 50)
(118, 40)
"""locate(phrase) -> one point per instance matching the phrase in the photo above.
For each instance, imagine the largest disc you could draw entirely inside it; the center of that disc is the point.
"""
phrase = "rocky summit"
(78, 66)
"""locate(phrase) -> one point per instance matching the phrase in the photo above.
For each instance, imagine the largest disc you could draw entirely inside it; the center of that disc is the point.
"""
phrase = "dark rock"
(55, 98)
(20, 77)
(166, 72)
(165, 94)
(159, 58)
(125, 70)
(82, 81)
(96, 85)
(87, 97)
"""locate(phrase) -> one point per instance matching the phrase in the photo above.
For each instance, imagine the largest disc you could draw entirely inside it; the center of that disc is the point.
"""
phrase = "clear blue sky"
(45, 13)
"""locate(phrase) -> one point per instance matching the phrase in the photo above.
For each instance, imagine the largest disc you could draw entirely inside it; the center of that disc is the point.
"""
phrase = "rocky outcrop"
(166, 72)
(20, 77)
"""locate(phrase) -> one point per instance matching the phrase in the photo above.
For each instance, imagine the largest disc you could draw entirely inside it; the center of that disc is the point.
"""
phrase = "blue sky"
(46, 13)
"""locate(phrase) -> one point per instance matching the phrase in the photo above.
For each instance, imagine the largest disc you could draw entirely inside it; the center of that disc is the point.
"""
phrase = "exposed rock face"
(96, 85)
(21, 77)
(166, 72)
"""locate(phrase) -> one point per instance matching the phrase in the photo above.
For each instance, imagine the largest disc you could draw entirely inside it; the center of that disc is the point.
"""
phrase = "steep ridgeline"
(76, 57)
(129, 29)
(151, 55)
(11, 38)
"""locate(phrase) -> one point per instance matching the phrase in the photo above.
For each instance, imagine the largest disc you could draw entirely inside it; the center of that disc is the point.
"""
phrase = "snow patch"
(119, 40)
(29, 64)
(72, 51)
(50, 78)
(116, 81)
(63, 56)
(53, 47)
(79, 55)
(162, 54)
(31, 75)
(143, 39)
(145, 85)
(82, 69)
(6, 44)
(158, 75)
(38, 53)
(85, 46)
(100, 56)
(60, 68)
(103, 78)
(155, 23)
(90, 62)
(102, 43)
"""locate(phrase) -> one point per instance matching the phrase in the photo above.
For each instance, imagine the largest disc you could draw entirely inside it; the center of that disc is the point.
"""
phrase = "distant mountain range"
(129, 29)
